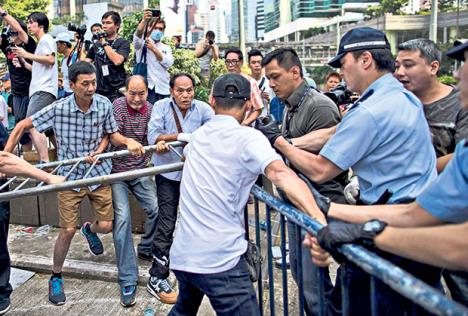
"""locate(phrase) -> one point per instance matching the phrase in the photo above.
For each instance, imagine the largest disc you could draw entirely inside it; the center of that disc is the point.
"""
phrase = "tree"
(21, 9)
(387, 6)
(65, 19)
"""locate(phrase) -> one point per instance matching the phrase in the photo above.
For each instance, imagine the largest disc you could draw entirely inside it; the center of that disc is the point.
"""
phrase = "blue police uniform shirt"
(447, 197)
(385, 139)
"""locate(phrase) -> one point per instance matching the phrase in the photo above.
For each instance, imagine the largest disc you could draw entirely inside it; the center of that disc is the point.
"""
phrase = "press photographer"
(64, 47)
(151, 51)
(15, 34)
(342, 97)
(109, 54)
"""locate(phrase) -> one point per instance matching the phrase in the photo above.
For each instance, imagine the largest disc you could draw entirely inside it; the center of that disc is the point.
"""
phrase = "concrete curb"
(78, 268)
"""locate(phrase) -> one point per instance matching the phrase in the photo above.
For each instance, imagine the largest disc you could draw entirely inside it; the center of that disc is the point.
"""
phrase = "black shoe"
(145, 256)
(5, 306)
(56, 292)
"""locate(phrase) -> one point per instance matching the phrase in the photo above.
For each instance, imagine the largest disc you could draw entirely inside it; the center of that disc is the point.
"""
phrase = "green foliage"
(129, 25)
(21, 9)
(447, 79)
(387, 6)
(314, 31)
(319, 73)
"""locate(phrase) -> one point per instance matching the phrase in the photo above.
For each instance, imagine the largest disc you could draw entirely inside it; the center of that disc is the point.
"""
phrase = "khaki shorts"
(69, 201)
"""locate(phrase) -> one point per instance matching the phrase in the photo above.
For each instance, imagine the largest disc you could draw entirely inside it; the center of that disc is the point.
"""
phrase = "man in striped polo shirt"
(132, 114)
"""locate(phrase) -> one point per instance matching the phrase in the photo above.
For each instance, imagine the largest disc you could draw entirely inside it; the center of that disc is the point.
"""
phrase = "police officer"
(384, 138)
(444, 201)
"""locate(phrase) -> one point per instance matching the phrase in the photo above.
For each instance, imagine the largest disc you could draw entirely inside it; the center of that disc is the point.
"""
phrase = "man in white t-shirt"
(44, 69)
(255, 58)
(223, 160)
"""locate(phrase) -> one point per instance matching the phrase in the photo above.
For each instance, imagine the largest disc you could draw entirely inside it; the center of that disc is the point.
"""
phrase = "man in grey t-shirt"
(206, 50)
(417, 65)
(306, 110)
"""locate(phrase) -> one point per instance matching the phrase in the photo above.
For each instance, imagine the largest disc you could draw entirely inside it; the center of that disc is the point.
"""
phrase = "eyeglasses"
(231, 61)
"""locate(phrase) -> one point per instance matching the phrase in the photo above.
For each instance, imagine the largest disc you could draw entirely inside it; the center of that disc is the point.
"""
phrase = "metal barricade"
(379, 269)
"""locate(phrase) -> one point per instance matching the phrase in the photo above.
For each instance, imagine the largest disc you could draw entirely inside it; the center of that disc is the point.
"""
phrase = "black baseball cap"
(240, 84)
(358, 39)
(458, 51)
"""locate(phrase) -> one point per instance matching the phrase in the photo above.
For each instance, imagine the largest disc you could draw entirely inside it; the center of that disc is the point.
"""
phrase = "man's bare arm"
(315, 140)
(12, 165)
(443, 246)
(17, 132)
(442, 162)
(296, 189)
(398, 215)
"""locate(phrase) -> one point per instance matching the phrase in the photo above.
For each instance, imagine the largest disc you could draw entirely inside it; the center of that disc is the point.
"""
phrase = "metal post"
(433, 23)
(241, 27)
(338, 31)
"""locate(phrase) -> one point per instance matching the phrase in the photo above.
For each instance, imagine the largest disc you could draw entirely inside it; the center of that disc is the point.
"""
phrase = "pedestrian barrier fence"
(378, 268)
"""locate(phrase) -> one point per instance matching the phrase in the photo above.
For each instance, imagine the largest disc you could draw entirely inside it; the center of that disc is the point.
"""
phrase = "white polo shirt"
(158, 74)
(222, 163)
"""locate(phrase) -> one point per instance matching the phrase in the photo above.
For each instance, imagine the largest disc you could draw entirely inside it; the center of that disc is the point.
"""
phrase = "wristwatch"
(105, 44)
(371, 229)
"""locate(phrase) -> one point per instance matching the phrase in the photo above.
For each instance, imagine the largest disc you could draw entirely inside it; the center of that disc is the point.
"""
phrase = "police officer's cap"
(458, 51)
(358, 39)
(232, 86)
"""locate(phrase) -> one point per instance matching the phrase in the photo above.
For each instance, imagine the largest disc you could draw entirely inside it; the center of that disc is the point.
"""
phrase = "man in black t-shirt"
(20, 76)
(109, 55)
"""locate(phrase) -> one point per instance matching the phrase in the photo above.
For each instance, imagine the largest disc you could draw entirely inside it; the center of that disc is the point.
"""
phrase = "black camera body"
(98, 35)
(210, 42)
(80, 30)
(156, 13)
(340, 95)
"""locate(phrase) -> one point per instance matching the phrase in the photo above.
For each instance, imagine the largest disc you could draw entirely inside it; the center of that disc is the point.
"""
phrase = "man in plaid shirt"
(80, 121)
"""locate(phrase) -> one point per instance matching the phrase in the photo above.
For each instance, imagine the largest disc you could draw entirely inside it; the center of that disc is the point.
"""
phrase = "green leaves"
(21, 9)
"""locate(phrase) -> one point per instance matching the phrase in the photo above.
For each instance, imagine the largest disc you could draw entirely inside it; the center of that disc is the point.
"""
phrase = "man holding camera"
(109, 54)
(20, 76)
(206, 50)
(147, 42)
(64, 47)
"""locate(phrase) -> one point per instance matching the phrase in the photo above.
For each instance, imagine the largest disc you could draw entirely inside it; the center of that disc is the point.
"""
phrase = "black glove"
(336, 234)
(269, 127)
(322, 201)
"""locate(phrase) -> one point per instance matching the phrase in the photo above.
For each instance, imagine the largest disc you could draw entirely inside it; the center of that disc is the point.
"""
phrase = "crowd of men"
(404, 140)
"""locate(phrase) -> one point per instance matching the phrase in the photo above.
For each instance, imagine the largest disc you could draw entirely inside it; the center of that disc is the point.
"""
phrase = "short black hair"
(234, 50)
(180, 74)
(22, 24)
(254, 52)
(383, 58)
(285, 57)
(115, 16)
(130, 78)
(80, 68)
(210, 34)
(41, 19)
(94, 25)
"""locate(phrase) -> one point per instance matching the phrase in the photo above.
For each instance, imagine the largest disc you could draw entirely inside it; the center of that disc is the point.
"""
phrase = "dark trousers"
(5, 286)
(154, 97)
(168, 192)
(230, 292)
(389, 302)
(111, 95)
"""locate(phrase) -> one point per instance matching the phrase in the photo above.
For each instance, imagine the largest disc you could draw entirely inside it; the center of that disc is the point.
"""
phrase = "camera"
(340, 95)
(156, 13)
(80, 30)
(98, 35)
(210, 42)
(7, 32)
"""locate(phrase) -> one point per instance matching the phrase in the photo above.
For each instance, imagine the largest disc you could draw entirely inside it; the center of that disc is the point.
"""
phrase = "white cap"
(63, 37)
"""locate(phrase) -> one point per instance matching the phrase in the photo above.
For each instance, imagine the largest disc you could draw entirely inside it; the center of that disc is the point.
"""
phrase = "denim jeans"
(230, 292)
(144, 191)
(310, 272)
(5, 287)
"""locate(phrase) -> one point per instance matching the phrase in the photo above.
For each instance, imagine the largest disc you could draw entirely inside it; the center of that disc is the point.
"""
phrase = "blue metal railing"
(379, 269)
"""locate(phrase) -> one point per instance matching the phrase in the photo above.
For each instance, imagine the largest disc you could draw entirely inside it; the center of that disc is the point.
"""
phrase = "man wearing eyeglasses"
(234, 60)
(158, 56)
